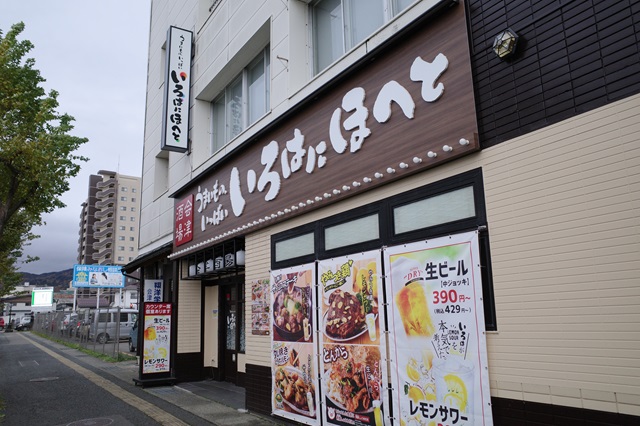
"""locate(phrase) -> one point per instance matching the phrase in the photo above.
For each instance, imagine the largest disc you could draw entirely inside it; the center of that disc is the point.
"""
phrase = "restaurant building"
(463, 175)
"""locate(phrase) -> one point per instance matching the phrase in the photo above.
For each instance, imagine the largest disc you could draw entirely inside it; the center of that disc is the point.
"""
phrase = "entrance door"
(231, 329)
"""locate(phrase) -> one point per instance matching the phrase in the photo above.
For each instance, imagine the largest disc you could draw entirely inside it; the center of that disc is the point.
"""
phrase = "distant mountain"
(59, 280)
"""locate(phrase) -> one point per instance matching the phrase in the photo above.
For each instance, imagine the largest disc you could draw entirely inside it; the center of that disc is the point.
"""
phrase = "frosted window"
(295, 247)
(353, 232)
(433, 211)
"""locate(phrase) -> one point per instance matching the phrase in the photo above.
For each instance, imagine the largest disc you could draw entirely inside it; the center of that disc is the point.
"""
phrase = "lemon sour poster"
(157, 338)
(437, 343)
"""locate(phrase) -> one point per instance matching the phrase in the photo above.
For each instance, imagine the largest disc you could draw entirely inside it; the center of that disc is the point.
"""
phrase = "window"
(339, 25)
(242, 102)
(123, 198)
(133, 199)
(133, 219)
(132, 228)
(122, 228)
(132, 238)
(123, 189)
(121, 238)
(123, 208)
(120, 248)
(446, 207)
(121, 259)
(133, 209)
(131, 248)
(134, 190)
(123, 218)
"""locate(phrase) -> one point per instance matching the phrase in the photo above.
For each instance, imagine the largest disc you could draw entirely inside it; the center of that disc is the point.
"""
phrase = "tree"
(36, 153)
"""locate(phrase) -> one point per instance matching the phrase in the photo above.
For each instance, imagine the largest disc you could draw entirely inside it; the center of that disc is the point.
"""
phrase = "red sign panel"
(183, 231)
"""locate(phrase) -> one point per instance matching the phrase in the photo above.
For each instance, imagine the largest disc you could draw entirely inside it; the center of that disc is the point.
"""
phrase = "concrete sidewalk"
(218, 403)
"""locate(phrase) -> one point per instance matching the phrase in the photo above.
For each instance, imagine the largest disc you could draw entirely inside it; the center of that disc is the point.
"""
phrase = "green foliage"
(36, 152)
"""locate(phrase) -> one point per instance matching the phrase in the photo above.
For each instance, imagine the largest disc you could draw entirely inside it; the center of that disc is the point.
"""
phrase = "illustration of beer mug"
(412, 305)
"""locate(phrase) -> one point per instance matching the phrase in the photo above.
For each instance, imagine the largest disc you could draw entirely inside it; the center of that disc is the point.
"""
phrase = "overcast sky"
(94, 53)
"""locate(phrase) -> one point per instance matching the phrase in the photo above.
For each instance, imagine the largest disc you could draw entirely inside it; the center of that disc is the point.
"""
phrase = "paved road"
(40, 385)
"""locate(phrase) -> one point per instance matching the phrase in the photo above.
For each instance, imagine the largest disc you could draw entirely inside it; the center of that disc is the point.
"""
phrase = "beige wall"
(563, 209)
(189, 316)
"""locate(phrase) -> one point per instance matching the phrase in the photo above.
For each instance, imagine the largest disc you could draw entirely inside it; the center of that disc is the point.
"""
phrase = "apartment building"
(463, 173)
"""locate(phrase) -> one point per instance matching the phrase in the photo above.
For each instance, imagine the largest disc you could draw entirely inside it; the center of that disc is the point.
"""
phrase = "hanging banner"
(353, 350)
(294, 351)
(157, 338)
(439, 372)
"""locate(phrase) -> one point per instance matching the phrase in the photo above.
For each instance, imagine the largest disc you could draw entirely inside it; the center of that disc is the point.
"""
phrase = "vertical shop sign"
(294, 351)
(183, 228)
(353, 349)
(177, 85)
(157, 338)
(436, 324)
(153, 291)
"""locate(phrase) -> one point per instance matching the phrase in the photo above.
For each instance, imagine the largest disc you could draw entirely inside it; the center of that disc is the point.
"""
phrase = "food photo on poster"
(436, 320)
(292, 313)
(353, 350)
(294, 351)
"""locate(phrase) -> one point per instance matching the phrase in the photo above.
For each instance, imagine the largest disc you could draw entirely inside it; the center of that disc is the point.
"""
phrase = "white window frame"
(390, 9)
(243, 78)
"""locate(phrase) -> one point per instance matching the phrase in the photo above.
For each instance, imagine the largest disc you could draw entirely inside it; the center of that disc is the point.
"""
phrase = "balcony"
(105, 203)
(106, 193)
(105, 183)
(106, 212)
(108, 221)
(106, 232)
(102, 244)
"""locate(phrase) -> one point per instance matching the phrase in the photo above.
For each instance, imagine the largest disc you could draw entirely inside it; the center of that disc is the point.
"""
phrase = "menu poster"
(353, 350)
(436, 324)
(294, 353)
(157, 338)
(260, 318)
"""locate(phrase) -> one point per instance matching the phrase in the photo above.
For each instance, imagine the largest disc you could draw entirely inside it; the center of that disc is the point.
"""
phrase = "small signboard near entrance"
(156, 338)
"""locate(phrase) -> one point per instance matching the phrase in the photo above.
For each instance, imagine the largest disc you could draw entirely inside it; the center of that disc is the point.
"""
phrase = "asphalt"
(219, 403)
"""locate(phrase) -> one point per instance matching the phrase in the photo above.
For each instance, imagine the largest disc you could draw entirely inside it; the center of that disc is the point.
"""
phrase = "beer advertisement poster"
(436, 323)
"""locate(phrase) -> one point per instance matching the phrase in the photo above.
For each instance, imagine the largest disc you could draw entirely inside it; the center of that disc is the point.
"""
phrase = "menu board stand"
(154, 339)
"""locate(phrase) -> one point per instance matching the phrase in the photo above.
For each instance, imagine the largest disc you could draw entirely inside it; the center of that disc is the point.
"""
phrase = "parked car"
(104, 326)
(133, 337)
(24, 323)
(68, 324)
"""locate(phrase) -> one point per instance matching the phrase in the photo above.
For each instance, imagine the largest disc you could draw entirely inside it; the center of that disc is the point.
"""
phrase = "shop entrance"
(231, 328)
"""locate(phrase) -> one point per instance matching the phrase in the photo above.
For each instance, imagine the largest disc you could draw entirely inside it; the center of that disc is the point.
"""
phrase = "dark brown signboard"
(409, 108)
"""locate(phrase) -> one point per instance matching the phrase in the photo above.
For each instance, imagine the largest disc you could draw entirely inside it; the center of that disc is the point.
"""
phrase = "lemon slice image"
(412, 370)
(415, 394)
(456, 395)
(162, 352)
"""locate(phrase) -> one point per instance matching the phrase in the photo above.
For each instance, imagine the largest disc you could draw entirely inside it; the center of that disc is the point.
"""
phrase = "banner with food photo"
(439, 370)
(353, 349)
(293, 342)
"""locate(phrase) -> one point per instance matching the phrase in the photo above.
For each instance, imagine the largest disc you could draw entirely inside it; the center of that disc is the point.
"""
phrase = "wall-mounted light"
(504, 45)
(464, 142)
(431, 154)
(447, 148)
(417, 160)
(378, 175)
